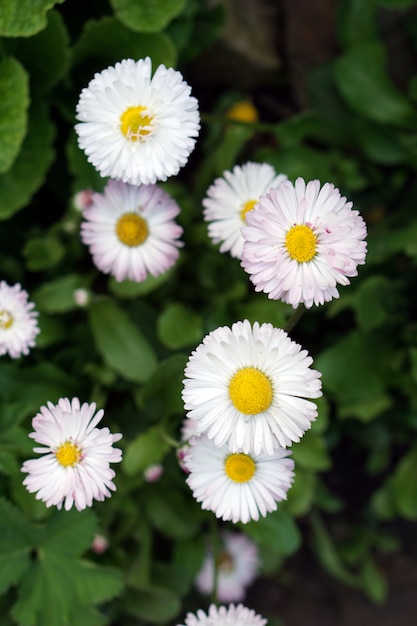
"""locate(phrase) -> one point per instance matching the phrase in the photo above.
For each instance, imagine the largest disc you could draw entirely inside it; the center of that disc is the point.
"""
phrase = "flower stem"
(295, 317)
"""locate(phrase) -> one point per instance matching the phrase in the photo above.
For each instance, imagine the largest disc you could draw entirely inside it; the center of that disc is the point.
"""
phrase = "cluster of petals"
(231, 197)
(131, 232)
(74, 468)
(264, 352)
(18, 321)
(165, 122)
(232, 615)
(337, 239)
(232, 495)
(237, 568)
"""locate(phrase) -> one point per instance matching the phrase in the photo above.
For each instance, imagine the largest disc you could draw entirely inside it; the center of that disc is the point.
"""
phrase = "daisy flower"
(18, 321)
(131, 231)
(237, 567)
(231, 197)
(302, 241)
(74, 468)
(135, 127)
(246, 386)
(225, 616)
(237, 487)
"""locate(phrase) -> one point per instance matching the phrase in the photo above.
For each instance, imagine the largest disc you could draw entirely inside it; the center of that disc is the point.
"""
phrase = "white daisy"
(237, 567)
(246, 386)
(301, 241)
(135, 127)
(18, 321)
(231, 197)
(74, 468)
(225, 616)
(131, 231)
(237, 487)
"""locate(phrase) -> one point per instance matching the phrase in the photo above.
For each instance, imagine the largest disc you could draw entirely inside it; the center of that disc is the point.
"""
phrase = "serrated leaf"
(108, 40)
(24, 18)
(363, 81)
(96, 584)
(120, 342)
(68, 533)
(146, 449)
(28, 172)
(14, 104)
(179, 326)
(147, 16)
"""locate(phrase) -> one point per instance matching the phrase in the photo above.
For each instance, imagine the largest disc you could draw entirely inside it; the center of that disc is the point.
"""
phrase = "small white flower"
(131, 232)
(134, 127)
(301, 241)
(81, 296)
(75, 466)
(237, 567)
(225, 616)
(231, 197)
(237, 487)
(18, 321)
(245, 386)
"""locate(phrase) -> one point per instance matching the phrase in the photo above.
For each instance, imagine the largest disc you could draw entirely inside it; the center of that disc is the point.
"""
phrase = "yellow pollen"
(68, 454)
(301, 243)
(248, 206)
(243, 112)
(250, 390)
(6, 319)
(240, 467)
(135, 124)
(131, 229)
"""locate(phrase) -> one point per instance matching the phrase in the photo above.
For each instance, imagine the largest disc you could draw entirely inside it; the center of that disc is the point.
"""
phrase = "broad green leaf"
(57, 296)
(120, 342)
(165, 511)
(109, 41)
(356, 21)
(363, 81)
(28, 172)
(277, 532)
(152, 604)
(402, 487)
(146, 449)
(43, 252)
(147, 16)
(301, 494)
(14, 104)
(179, 326)
(160, 396)
(328, 554)
(17, 537)
(25, 17)
(68, 533)
(373, 307)
(373, 581)
(311, 453)
(45, 55)
(96, 584)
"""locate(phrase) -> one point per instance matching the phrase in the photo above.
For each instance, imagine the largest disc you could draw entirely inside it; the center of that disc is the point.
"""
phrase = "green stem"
(295, 318)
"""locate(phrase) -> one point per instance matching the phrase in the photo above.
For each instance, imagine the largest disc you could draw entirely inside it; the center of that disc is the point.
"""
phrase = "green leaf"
(277, 532)
(301, 494)
(28, 172)
(25, 17)
(402, 487)
(110, 41)
(160, 396)
(373, 581)
(14, 104)
(373, 308)
(131, 289)
(165, 511)
(152, 604)
(178, 326)
(147, 16)
(363, 81)
(311, 453)
(146, 449)
(43, 252)
(328, 554)
(57, 296)
(356, 21)
(16, 540)
(120, 342)
(46, 55)
(68, 533)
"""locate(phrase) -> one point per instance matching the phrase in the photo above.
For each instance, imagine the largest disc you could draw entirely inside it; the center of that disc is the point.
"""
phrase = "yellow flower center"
(131, 229)
(240, 467)
(243, 112)
(301, 243)
(250, 390)
(248, 206)
(68, 454)
(136, 124)
(6, 319)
